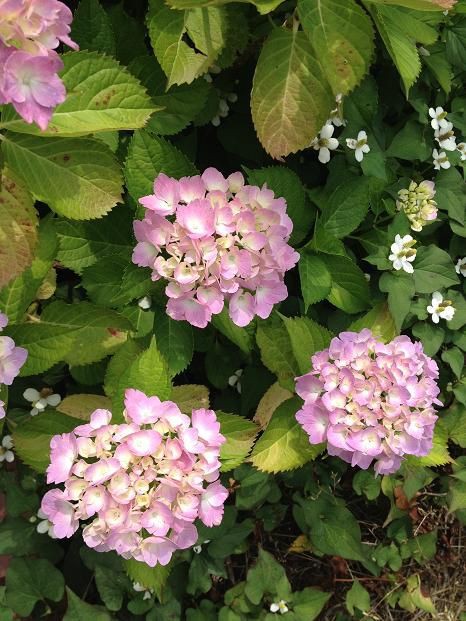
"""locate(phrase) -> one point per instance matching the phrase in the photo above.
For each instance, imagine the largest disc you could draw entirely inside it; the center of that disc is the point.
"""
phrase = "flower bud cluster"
(30, 31)
(370, 401)
(215, 240)
(418, 203)
(137, 487)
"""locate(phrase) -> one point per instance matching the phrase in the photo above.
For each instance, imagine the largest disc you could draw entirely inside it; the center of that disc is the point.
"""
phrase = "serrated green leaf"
(148, 156)
(433, 270)
(82, 405)
(79, 178)
(190, 397)
(240, 434)
(119, 364)
(379, 320)
(101, 96)
(350, 291)
(455, 43)
(18, 227)
(284, 445)
(149, 373)
(175, 341)
(242, 337)
(154, 578)
(276, 351)
(285, 183)
(290, 98)
(316, 280)
(455, 421)
(342, 36)
(92, 29)
(263, 6)
(186, 43)
(346, 207)
(307, 338)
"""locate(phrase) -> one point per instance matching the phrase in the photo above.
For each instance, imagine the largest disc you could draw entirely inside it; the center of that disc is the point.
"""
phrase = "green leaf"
(455, 43)
(286, 183)
(342, 36)
(263, 6)
(350, 291)
(149, 373)
(440, 67)
(81, 244)
(364, 482)
(147, 157)
(379, 320)
(284, 445)
(78, 610)
(455, 421)
(308, 603)
(78, 333)
(242, 337)
(307, 338)
(92, 29)
(175, 341)
(154, 578)
(276, 351)
(82, 405)
(18, 228)
(186, 43)
(431, 336)
(77, 178)
(190, 397)
(433, 270)
(267, 577)
(400, 288)
(346, 207)
(32, 438)
(455, 358)
(29, 581)
(240, 434)
(451, 194)
(357, 597)
(316, 281)
(412, 142)
(119, 364)
(290, 99)
(401, 47)
(181, 103)
(112, 586)
(101, 96)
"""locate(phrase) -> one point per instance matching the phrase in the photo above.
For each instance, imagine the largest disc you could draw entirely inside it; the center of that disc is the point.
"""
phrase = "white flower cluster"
(40, 400)
(445, 136)
(440, 308)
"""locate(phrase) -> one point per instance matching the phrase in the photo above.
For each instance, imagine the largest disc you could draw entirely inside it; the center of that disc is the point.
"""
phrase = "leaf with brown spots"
(18, 228)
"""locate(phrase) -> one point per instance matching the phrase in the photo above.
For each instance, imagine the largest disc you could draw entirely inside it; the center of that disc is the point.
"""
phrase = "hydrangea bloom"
(30, 30)
(137, 486)
(418, 203)
(12, 359)
(215, 240)
(369, 400)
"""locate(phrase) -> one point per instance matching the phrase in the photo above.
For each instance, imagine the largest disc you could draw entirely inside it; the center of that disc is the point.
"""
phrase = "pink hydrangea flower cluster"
(370, 401)
(215, 240)
(12, 359)
(138, 486)
(30, 30)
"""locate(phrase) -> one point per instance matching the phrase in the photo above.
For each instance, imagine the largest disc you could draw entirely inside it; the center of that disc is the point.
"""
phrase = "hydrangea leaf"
(18, 228)
(101, 96)
(316, 280)
(379, 320)
(346, 207)
(276, 351)
(81, 405)
(263, 6)
(455, 421)
(148, 156)
(78, 610)
(119, 364)
(419, 5)
(240, 434)
(284, 445)
(400, 289)
(350, 291)
(92, 29)
(290, 99)
(307, 338)
(190, 397)
(433, 270)
(186, 43)
(242, 337)
(342, 36)
(78, 178)
(175, 341)
(154, 578)
(439, 454)
(270, 401)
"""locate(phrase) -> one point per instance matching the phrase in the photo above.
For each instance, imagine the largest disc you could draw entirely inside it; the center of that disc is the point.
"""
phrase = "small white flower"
(403, 253)
(197, 549)
(142, 589)
(40, 400)
(461, 147)
(6, 454)
(440, 160)
(460, 267)
(325, 143)
(280, 607)
(145, 303)
(440, 308)
(235, 380)
(359, 144)
(44, 526)
(335, 118)
(446, 137)
(439, 117)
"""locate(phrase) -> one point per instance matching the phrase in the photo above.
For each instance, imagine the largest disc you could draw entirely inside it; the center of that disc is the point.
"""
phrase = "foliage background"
(299, 526)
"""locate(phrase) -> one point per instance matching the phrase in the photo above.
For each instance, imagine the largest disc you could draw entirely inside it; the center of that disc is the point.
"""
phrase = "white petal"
(7, 442)
(362, 135)
(327, 131)
(435, 318)
(31, 394)
(333, 143)
(351, 143)
(54, 400)
(358, 154)
(43, 527)
(408, 268)
(34, 412)
(437, 297)
(324, 155)
(9, 456)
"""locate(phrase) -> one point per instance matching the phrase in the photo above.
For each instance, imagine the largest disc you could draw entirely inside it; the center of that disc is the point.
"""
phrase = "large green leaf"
(175, 341)
(263, 6)
(29, 581)
(101, 96)
(78, 333)
(290, 98)
(78, 610)
(18, 228)
(433, 270)
(78, 178)
(242, 337)
(120, 363)
(284, 445)
(276, 351)
(92, 29)
(350, 291)
(316, 280)
(240, 434)
(267, 577)
(186, 43)
(379, 320)
(307, 338)
(342, 36)
(148, 156)
(346, 207)
(154, 578)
